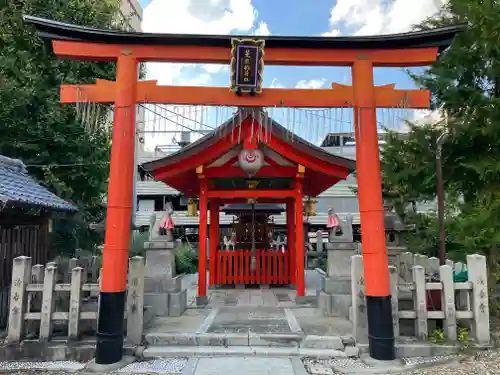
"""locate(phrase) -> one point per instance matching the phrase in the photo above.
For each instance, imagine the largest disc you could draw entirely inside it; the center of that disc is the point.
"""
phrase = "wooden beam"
(272, 162)
(287, 150)
(260, 200)
(231, 172)
(221, 55)
(230, 194)
(207, 156)
(149, 92)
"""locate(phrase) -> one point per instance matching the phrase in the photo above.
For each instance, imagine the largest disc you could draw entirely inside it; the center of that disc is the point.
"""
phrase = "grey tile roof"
(17, 187)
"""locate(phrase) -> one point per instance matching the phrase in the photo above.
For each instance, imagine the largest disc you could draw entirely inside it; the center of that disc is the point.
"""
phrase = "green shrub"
(186, 260)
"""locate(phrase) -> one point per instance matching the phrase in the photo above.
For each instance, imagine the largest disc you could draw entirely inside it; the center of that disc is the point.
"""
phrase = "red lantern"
(251, 161)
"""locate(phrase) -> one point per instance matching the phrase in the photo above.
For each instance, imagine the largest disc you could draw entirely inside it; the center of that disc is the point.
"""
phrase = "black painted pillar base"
(380, 328)
(110, 328)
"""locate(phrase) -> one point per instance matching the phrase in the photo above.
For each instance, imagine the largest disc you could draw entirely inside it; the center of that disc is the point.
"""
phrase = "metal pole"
(440, 197)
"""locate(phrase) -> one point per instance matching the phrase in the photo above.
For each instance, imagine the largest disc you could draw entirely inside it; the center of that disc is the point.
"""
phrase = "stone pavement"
(247, 366)
(276, 297)
(252, 319)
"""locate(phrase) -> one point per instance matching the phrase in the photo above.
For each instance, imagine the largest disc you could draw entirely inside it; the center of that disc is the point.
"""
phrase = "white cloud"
(334, 32)
(262, 30)
(275, 84)
(371, 17)
(311, 84)
(196, 17)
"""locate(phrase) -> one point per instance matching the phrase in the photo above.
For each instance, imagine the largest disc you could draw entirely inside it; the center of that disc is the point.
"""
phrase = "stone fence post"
(476, 267)
(359, 315)
(135, 300)
(21, 276)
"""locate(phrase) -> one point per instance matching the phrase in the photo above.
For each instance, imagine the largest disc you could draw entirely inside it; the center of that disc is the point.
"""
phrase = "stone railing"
(463, 301)
(90, 264)
(407, 260)
(34, 312)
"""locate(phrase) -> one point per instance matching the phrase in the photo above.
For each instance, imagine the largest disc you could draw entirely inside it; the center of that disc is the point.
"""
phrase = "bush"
(186, 260)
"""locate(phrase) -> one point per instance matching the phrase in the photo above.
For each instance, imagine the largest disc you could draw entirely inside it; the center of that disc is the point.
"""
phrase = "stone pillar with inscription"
(163, 290)
(394, 228)
(335, 297)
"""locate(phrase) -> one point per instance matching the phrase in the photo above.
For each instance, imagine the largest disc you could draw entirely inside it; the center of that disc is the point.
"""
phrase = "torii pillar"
(109, 347)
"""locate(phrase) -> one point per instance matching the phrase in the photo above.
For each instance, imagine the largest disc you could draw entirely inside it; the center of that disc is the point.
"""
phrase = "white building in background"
(131, 12)
(152, 195)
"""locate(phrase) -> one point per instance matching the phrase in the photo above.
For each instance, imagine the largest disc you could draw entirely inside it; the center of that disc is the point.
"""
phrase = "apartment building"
(152, 195)
(131, 12)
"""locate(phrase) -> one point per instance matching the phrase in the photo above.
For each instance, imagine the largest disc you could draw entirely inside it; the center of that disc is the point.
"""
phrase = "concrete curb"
(93, 367)
(225, 339)
(208, 321)
(298, 366)
(292, 321)
(218, 351)
(191, 366)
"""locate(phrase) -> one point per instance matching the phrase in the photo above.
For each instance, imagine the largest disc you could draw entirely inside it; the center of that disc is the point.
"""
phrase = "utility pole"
(440, 195)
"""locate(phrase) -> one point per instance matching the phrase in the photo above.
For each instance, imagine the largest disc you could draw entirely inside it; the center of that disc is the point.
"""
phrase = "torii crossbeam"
(341, 96)
(362, 54)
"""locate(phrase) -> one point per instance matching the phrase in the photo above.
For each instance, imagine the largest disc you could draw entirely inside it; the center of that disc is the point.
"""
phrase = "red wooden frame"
(233, 267)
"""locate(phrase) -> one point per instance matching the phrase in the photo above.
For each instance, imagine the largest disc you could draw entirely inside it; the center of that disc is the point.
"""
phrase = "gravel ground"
(484, 363)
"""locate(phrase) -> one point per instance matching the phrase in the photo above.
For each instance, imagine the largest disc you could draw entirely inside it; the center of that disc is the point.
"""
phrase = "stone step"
(253, 340)
(153, 352)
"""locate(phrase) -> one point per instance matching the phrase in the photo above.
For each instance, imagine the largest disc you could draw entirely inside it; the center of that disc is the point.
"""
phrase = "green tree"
(49, 137)
(465, 83)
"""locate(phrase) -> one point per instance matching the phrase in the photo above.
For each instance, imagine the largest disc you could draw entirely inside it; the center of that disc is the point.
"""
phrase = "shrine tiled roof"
(18, 188)
(53, 30)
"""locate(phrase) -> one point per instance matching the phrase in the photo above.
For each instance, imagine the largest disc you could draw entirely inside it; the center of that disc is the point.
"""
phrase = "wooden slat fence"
(234, 268)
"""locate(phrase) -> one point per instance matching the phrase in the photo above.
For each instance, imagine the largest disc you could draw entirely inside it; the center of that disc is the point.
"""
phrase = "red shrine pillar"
(214, 238)
(376, 271)
(109, 346)
(290, 235)
(202, 299)
(299, 239)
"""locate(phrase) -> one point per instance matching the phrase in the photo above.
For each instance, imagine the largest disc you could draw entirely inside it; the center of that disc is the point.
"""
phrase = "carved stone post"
(162, 287)
(335, 298)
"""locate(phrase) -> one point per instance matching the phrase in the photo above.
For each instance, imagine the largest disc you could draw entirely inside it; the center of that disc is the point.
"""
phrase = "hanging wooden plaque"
(247, 65)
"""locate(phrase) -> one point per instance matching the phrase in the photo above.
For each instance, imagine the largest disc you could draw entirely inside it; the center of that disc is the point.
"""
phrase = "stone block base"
(201, 300)
(167, 304)
(177, 303)
(334, 304)
(158, 303)
(303, 300)
(337, 285)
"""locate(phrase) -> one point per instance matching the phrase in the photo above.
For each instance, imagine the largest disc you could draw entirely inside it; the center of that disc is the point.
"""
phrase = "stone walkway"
(275, 297)
(255, 319)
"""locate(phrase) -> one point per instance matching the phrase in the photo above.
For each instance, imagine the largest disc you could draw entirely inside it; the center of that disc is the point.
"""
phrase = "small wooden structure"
(25, 210)
(252, 224)
(253, 235)
(236, 164)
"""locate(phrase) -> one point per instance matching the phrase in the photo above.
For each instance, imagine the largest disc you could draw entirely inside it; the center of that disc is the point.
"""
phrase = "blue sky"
(300, 17)
(282, 17)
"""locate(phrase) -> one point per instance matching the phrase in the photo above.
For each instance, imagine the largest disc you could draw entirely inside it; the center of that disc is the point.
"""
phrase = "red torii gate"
(360, 53)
